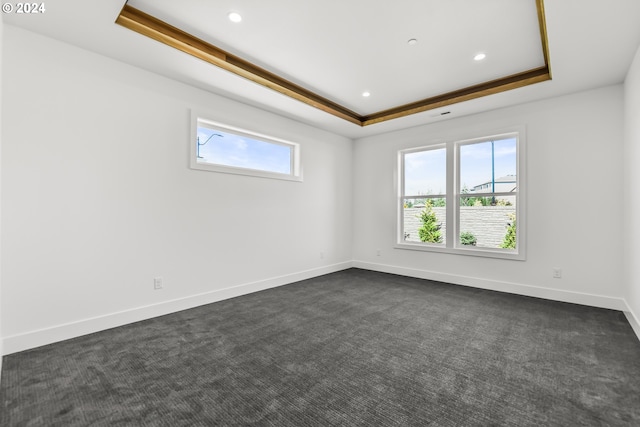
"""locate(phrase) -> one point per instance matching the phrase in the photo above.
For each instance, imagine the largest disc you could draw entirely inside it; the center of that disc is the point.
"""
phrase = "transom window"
(222, 148)
(463, 197)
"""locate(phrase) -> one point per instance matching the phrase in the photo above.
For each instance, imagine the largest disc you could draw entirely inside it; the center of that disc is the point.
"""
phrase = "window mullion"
(400, 199)
(451, 203)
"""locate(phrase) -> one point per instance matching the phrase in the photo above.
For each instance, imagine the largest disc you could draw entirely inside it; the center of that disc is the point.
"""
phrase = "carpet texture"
(349, 348)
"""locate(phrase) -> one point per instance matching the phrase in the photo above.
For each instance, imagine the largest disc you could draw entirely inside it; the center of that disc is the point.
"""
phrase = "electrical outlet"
(157, 283)
(321, 254)
(378, 252)
(557, 273)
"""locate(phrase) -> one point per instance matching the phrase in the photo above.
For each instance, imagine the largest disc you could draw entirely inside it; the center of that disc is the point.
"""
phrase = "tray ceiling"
(339, 49)
(410, 56)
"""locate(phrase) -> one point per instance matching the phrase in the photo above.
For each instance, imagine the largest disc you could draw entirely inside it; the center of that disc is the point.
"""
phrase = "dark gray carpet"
(349, 348)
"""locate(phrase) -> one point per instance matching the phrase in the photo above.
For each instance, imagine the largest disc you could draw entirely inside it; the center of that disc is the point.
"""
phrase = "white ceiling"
(339, 49)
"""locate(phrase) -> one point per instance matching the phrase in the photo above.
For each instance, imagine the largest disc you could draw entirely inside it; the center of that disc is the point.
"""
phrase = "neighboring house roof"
(502, 183)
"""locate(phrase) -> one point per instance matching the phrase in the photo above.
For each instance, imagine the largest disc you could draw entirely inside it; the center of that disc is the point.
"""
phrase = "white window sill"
(471, 251)
(242, 171)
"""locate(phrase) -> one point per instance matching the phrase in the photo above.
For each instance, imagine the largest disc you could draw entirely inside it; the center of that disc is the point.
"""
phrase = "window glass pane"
(488, 167)
(424, 220)
(425, 172)
(228, 149)
(487, 225)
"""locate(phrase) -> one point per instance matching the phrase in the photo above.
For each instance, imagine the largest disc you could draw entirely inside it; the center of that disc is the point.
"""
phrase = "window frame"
(403, 197)
(200, 120)
(451, 241)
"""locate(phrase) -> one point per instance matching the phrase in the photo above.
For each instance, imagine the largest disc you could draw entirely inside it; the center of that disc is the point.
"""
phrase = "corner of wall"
(631, 195)
(1, 335)
(633, 321)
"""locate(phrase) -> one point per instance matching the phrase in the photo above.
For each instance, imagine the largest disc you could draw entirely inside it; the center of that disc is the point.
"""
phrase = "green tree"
(509, 241)
(430, 230)
(467, 238)
(475, 201)
(438, 203)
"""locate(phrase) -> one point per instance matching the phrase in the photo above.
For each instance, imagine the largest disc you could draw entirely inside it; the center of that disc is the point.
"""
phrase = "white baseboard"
(495, 285)
(32, 339)
(633, 320)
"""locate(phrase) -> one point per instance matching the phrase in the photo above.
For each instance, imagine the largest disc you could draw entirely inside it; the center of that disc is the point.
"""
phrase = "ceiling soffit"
(156, 29)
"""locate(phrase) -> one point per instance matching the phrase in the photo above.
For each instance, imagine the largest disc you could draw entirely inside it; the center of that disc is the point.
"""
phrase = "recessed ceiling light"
(412, 42)
(479, 57)
(234, 17)
(366, 94)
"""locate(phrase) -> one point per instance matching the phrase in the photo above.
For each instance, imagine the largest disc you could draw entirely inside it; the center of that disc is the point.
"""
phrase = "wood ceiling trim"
(544, 40)
(514, 81)
(169, 35)
(152, 27)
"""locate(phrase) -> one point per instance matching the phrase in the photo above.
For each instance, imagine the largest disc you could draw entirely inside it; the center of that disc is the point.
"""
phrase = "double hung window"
(464, 197)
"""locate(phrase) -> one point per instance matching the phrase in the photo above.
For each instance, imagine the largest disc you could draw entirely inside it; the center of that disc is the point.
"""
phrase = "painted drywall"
(631, 197)
(574, 213)
(1, 102)
(98, 198)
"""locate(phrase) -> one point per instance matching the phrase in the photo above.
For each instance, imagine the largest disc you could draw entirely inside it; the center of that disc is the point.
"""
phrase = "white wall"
(574, 162)
(98, 198)
(1, 102)
(631, 197)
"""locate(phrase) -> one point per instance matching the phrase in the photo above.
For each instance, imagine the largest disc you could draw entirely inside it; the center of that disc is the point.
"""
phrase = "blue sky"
(425, 171)
(240, 151)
